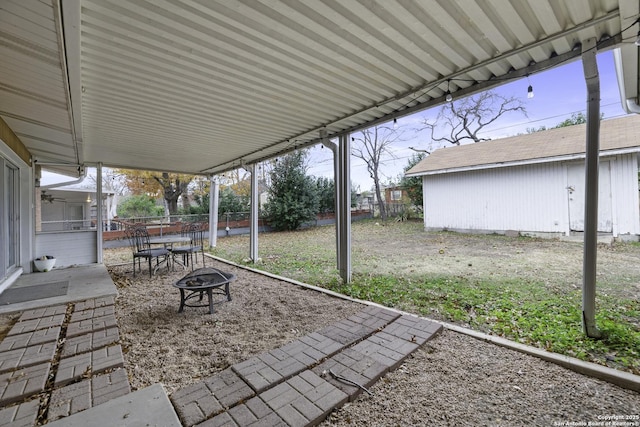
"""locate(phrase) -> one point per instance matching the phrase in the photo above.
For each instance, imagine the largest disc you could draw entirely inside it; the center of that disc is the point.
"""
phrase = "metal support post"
(99, 206)
(253, 227)
(344, 212)
(214, 191)
(592, 161)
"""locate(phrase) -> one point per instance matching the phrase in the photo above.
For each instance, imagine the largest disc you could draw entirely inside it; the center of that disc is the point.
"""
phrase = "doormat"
(30, 293)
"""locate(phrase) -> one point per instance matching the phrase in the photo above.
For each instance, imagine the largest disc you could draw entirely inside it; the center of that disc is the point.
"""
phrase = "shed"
(534, 183)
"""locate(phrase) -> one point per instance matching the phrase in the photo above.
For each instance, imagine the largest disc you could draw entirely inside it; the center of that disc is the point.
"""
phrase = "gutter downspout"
(592, 161)
(336, 166)
(83, 175)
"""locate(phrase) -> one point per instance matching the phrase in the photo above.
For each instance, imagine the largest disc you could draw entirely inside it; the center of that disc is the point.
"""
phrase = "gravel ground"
(455, 380)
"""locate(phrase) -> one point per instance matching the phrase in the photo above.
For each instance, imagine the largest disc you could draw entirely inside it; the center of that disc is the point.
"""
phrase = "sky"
(558, 93)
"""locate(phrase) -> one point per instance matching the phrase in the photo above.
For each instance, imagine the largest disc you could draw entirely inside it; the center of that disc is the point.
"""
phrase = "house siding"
(68, 247)
(530, 199)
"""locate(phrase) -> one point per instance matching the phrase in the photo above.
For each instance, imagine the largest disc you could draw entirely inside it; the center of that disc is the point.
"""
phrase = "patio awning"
(202, 86)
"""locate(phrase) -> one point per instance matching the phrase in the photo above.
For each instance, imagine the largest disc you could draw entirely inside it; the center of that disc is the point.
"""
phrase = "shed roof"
(550, 145)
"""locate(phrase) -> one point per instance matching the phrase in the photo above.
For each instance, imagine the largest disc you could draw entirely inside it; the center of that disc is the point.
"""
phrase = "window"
(396, 195)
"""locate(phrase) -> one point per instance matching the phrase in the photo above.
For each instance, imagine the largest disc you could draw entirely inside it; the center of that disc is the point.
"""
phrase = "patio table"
(207, 279)
(168, 242)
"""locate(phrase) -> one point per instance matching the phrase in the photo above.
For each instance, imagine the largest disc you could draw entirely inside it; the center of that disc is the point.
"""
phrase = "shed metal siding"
(626, 201)
(529, 198)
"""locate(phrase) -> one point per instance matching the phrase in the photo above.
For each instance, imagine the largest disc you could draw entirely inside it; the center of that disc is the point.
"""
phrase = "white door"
(576, 194)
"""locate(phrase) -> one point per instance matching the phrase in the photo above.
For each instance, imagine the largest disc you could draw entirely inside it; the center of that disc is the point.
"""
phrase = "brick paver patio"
(300, 383)
(61, 360)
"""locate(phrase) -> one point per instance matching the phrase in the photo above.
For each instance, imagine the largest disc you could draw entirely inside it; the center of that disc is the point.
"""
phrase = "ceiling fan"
(49, 197)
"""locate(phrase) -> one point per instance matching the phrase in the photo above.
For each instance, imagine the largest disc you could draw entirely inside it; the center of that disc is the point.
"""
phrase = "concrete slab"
(147, 407)
(92, 324)
(75, 367)
(27, 339)
(16, 385)
(89, 313)
(353, 368)
(85, 282)
(386, 349)
(38, 323)
(87, 393)
(43, 312)
(413, 329)
(252, 413)
(205, 399)
(95, 303)
(90, 341)
(27, 356)
(22, 415)
(375, 317)
(275, 366)
(304, 399)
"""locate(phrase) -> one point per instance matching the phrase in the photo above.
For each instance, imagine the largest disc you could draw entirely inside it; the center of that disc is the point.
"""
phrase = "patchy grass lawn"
(524, 289)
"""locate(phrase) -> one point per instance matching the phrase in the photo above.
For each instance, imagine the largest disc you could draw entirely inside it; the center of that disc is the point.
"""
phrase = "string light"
(505, 78)
(395, 123)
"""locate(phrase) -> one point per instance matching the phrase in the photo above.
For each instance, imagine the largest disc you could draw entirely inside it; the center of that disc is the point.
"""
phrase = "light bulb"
(395, 123)
(448, 97)
(530, 92)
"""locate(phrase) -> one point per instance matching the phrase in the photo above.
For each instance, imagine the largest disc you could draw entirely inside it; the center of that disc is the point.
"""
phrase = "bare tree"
(372, 146)
(462, 121)
(114, 186)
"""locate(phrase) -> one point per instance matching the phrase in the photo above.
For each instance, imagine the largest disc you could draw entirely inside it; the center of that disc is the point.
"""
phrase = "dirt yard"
(454, 380)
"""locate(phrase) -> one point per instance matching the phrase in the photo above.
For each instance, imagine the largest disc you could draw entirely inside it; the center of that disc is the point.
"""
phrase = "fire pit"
(203, 280)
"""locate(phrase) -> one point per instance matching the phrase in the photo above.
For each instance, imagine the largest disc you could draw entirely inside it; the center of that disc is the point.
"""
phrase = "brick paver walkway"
(56, 361)
(300, 383)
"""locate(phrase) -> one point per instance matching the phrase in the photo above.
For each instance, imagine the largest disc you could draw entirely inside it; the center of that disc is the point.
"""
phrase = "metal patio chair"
(195, 231)
(141, 248)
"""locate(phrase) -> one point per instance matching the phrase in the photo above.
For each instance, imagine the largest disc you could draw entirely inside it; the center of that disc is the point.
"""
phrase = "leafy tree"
(293, 199)
(462, 121)
(201, 206)
(575, 119)
(169, 186)
(229, 202)
(372, 146)
(534, 130)
(139, 206)
(413, 185)
(326, 189)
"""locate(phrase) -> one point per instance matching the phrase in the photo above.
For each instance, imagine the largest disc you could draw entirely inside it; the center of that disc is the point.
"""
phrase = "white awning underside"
(201, 86)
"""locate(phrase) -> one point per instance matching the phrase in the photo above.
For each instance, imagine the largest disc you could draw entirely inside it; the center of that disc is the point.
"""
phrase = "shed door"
(576, 193)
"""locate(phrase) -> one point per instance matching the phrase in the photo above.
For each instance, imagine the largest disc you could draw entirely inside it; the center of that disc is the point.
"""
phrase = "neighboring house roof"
(616, 136)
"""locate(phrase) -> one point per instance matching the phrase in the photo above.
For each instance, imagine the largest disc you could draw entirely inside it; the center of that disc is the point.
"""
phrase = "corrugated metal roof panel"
(231, 81)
